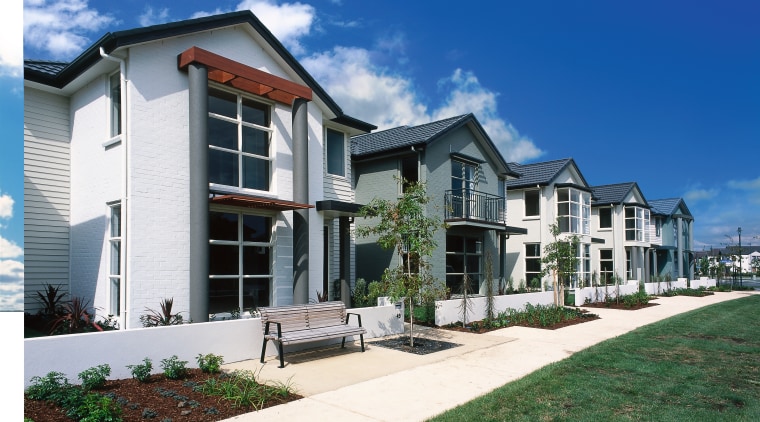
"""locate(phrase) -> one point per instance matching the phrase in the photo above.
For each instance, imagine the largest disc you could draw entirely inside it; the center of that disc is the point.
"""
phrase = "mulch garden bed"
(621, 305)
(154, 401)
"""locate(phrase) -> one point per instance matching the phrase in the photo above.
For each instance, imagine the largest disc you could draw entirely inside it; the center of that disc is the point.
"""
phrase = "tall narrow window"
(634, 224)
(336, 152)
(533, 265)
(240, 261)
(463, 257)
(239, 137)
(532, 207)
(573, 209)
(114, 268)
(409, 171)
(114, 88)
(605, 218)
(606, 269)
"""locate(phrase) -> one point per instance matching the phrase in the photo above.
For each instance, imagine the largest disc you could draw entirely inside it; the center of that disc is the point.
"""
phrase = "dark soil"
(621, 305)
(135, 397)
(422, 346)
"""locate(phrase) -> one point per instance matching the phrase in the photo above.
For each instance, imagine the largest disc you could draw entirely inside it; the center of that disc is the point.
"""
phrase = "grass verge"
(701, 365)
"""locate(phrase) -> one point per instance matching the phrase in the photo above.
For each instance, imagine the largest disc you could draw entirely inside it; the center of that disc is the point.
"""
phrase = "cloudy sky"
(665, 94)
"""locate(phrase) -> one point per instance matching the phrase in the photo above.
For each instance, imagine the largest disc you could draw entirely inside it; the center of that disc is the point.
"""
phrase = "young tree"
(560, 259)
(405, 227)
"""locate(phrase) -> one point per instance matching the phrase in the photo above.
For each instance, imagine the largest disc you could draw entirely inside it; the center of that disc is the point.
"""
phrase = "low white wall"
(449, 311)
(236, 340)
(703, 282)
(664, 286)
(598, 294)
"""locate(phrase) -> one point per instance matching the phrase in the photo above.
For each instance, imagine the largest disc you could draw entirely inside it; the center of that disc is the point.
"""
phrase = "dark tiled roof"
(60, 77)
(403, 136)
(45, 66)
(611, 194)
(668, 206)
(536, 173)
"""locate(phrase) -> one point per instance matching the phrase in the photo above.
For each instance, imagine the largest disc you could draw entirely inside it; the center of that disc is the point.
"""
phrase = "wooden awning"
(243, 77)
(258, 202)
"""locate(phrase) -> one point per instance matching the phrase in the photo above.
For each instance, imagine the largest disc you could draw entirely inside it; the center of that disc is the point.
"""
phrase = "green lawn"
(703, 365)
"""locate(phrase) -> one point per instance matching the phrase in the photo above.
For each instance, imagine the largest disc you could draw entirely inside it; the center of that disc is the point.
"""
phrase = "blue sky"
(665, 94)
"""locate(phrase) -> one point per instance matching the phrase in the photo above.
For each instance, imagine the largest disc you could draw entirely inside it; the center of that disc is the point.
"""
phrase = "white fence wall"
(449, 311)
(703, 282)
(236, 340)
(663, 286)
(598, 294)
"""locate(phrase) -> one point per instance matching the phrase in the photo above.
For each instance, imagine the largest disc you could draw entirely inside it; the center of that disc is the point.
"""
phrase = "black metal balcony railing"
(473, 205)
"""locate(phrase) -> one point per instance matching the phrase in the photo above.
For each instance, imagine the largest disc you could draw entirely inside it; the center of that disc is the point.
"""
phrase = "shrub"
(96, 408)
(174, 368)
(75, 318)
(242, 389)
(94, 377)
(210, 363)
(165, 317)
(141, 371)
(48, 388)
(50, 300)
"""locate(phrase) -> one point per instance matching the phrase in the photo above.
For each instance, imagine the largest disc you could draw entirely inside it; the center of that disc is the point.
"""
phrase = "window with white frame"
(114, 92)
(240, 261)
(114, 267)
(533, 265)
(239, 138)
(573, 210)
(464, 176)
(335, 151)
(606, 267)
(584, 265)
(605, 217)
(658, 226)
(635, 224)
(532, 204)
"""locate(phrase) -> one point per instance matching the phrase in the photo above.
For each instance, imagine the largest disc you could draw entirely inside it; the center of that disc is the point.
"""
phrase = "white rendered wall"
(449, 311)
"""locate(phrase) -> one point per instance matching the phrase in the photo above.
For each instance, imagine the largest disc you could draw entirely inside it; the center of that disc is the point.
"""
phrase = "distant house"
(622, 221)
(674, 238)
(195, 160)
(465, 175)
(546, 193)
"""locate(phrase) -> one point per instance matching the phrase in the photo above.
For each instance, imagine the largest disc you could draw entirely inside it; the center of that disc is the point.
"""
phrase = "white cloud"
(153, 17)
(8, 249)
(6, 206)
(696, 195)
(60, 26)
(11, 270)
(11, 291)
(11, 43)
(287, 21)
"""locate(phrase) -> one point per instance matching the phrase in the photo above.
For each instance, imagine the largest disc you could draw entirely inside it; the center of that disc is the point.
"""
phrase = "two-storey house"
(672, 240)
(185, 160)
(465, 175)
(621, 217)
(547, 193)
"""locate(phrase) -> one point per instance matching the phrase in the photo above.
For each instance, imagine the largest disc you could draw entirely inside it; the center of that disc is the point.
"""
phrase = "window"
(240, 256)
(658, 227)
(114, 268)
(114, 89)
(239, 140)
(532, 207)
(463, 256)
(464, 176)
(605, 218)
(409, 171)
(573, 210)
(336, 152)
(584, 272)
(606, 269)
(533, 265)
(634, 224)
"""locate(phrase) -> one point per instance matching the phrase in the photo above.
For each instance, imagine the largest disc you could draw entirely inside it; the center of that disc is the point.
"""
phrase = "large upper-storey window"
(532, 207)
(573, 210)
(335, 152)
(605, 218)
(239, 138)
(636, 221)
(464, 176)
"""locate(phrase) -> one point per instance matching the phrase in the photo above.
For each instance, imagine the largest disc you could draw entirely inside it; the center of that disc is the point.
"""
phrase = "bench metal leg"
(263, 350)
(282, 360)
(343, 343)
(361, 336)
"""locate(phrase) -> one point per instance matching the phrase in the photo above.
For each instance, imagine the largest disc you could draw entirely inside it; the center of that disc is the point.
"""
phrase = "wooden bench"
(305, 323)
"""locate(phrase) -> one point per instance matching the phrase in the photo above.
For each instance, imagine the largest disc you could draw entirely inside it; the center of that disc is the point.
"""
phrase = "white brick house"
(184, 160)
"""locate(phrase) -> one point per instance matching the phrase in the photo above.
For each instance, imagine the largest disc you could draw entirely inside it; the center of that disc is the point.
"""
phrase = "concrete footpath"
(388, 385)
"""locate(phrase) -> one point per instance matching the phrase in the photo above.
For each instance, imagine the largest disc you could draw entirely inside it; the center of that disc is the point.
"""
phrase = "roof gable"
(544, 173)
(60, 74)
(618, 193)
(669, 206)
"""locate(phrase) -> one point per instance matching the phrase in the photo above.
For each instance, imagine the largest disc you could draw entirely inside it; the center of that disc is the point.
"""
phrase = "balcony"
(473, 206)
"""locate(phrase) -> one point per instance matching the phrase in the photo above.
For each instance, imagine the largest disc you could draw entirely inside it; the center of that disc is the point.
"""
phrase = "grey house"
(673, 248)
(465, 175)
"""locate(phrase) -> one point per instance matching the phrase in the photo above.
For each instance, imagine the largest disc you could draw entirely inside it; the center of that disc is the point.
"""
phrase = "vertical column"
(345, 260)
(199, 248)
(679, 240)
(300, 194)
